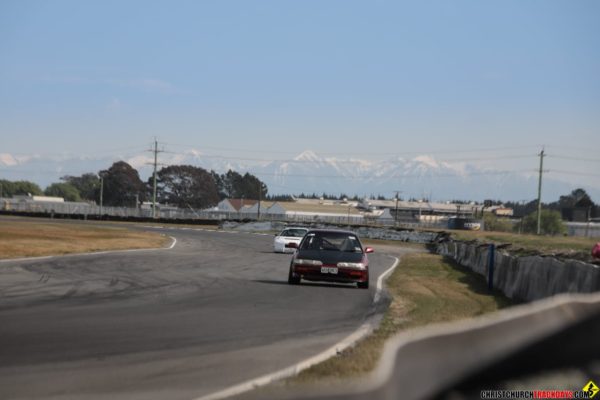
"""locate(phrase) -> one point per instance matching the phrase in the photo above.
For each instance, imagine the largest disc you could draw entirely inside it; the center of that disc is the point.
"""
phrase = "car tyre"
(363, 285)
(293, 280)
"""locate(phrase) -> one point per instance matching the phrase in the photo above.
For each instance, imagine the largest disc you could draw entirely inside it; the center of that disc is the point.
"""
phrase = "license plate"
(329, 270)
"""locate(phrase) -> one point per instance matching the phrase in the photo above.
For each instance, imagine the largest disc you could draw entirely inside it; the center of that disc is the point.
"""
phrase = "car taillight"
(352, 265)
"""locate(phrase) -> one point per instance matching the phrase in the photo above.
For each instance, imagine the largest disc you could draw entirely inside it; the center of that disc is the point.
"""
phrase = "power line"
(292, 160)
(390, 153)
(342, 161)
(559, 171)
(481, 173)
(68, 154)
(554, 171)
(486, 173)
(574, 158)
(563, 146)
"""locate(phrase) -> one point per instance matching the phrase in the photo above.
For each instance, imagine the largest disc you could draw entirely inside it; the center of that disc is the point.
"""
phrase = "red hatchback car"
(330, 255)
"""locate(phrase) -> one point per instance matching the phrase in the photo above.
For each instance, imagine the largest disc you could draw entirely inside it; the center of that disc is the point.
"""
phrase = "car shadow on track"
(314, 284)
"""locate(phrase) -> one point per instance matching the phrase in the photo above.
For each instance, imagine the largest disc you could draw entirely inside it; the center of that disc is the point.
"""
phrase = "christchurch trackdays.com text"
(535, 394)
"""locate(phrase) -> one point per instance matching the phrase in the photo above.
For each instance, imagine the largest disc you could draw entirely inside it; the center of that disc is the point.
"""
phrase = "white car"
(287, 236)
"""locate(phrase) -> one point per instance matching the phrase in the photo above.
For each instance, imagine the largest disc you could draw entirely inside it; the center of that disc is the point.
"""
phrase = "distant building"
(234, 205)
(313, 209)
(43, 199)
(503, 212)
(254, 208)
(418, 210)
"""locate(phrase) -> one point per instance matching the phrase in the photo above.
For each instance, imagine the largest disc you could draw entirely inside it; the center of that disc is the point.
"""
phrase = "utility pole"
(259, 199)
(396, 212)
(589, 219)
(154, 179)
(539, 206)
(155, 164)
(101, 192)
(348, 215)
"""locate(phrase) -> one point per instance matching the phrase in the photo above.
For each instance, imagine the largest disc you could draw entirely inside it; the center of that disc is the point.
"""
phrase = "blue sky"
(340, 77)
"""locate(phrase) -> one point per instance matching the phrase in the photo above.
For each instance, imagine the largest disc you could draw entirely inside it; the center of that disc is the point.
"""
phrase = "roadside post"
(491, 259)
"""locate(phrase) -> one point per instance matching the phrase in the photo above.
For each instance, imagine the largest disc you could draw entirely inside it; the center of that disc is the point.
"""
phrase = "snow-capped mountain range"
(308, 172)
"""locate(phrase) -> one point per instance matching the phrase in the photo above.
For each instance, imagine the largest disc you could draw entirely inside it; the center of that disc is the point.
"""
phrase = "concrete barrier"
(525, 278)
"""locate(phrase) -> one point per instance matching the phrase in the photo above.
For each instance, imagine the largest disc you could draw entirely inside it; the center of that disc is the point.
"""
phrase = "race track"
(212, 312)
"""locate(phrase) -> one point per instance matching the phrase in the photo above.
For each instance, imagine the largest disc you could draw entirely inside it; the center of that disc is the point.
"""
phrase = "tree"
(279, 197)
(228, 184)
(232, 182)
(122, 185)
(551, 223)
(522, 209)
(186, 186)
(493, 223)
(574, 206)
(220, 184)
(7, 188)
(64, 190)
(252, 188)
(10, 188)
(88, 185)
(234, 185)
(577, 198)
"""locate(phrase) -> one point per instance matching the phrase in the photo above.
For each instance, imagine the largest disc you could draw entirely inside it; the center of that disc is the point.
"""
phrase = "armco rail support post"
(491, 267)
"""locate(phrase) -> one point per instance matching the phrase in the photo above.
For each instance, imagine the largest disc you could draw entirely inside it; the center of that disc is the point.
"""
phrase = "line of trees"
(577, 199)
(10, 188)
(179, 185)
(551, 217)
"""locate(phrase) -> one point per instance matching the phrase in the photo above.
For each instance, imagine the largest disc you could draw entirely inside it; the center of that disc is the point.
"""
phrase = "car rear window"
(332, 241)
(293, 233)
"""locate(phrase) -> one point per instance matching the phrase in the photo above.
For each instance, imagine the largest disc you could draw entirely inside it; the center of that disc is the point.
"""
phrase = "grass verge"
(31, 238)
(570, 246)
(425, 289)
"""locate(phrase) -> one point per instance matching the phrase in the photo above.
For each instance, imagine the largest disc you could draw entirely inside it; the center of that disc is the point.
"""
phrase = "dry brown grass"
(20, 237)
(544, 244)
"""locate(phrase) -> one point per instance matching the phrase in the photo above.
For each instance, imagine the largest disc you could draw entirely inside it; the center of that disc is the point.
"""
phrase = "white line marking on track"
(381, 278)
(26, 259)
(206, 230)
(295, 369)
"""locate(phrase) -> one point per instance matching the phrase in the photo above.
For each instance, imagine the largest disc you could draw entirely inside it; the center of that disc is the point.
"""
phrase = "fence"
(585, 229)
(86, 210)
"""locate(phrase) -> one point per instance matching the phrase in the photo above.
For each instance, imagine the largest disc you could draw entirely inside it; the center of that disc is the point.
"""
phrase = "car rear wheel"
(363, 285)
(291, 279)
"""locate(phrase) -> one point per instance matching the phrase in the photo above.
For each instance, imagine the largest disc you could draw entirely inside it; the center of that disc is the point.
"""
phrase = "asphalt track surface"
(214, 311)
